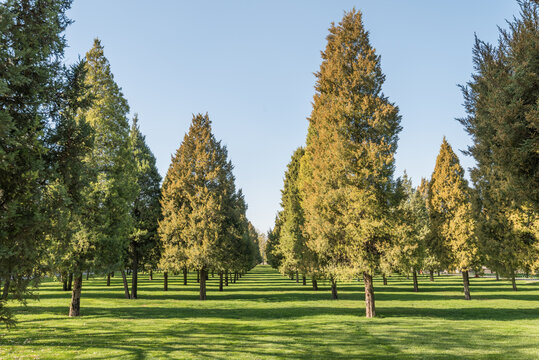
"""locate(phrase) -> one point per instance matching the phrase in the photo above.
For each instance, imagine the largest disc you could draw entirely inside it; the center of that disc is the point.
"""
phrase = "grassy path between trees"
(267, 316)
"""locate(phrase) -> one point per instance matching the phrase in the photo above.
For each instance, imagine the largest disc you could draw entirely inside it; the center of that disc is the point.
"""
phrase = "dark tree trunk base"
(315, 284)
(416, 286)
(202, 284)
(431, 275)
(334, 295)
(466, 283)
(74, 308)
(165, 281)
(384, 278)
(304, 280)
(370, 310)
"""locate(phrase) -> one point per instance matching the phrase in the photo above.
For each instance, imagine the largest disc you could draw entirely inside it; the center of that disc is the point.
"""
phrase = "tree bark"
(384, 278)
(70, 282)
(431, 275)
(297, 277)
(513, 280)
(74, 307)
(151, 274)
(64, 282)
(165, 281)
(370, 310)
(198, 276)
(185, 276)
(438, 272)
(497, 276)
(315, 284)
(108, 279)
(226, 277)
(126, 285)
(304, 279)
(134, 276)
(202, 284)
(416, 286)
(220, 281)
(466, 282)
(334, 290)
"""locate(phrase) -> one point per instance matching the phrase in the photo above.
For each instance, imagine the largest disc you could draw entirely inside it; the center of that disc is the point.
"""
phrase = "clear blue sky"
(250, 65)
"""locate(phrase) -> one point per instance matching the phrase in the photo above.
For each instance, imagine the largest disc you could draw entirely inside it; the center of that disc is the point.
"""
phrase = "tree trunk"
(226, 277)
(513, 282)
(497, 276)
(185, 276)
(466, 282)
(74, 307)
(315, 284)
(112, 274)
(126, 285)
(64, 282)
(88, 274)
(334, 289)
(70, 281)
(304, 280)
(108, 279)
(384, 278)
(220, 281)
(416, 287)
(438, 272)
(370, 310)
(151, 274)
(213, 273)
(198, 276)
(134, 277)
(202, 284)
(235, 277)
(297, 277)
(165, 281)
(431, 275)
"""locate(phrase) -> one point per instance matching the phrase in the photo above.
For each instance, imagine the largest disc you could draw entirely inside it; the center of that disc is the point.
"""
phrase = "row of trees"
(344, 215)
(79, 187)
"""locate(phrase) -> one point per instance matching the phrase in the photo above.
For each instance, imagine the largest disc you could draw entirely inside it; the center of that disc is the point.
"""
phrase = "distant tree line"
(345, 216)
(79, 189)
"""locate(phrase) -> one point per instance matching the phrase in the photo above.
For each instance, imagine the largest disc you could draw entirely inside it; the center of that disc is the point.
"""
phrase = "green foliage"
(349, 159)
(453, 238)
(204, 225)
(273, 255)
(107, 220)
(502, 102)
(408, 250)
(31, 49)
(144, 247)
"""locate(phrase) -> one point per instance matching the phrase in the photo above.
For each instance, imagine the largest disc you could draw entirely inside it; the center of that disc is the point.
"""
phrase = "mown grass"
(267, 316)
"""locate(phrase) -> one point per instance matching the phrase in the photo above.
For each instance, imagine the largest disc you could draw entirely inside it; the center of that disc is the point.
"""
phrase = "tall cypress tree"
(349, 158)
(195, 192)
(144, 246)
(107, 223)
(297, 256)
(450, 211)
(502, 105)
(30, 70)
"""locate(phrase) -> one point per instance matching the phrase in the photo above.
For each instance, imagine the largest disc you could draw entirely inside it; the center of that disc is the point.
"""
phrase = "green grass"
(267, 316)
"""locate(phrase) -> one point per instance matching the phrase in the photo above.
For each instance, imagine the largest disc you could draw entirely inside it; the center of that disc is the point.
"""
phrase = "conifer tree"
(70, 143)
(273, 256)
(349, 159)
(450, 211)
(195, 195)
(407, 252)
(32, 47)
(106, 225)
(502, 101)
(144, 245)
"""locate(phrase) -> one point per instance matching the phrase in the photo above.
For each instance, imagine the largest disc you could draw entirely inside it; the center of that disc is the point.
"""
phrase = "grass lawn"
(267, 316)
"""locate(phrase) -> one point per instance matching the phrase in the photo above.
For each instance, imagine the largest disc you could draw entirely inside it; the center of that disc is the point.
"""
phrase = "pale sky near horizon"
(250, 65)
